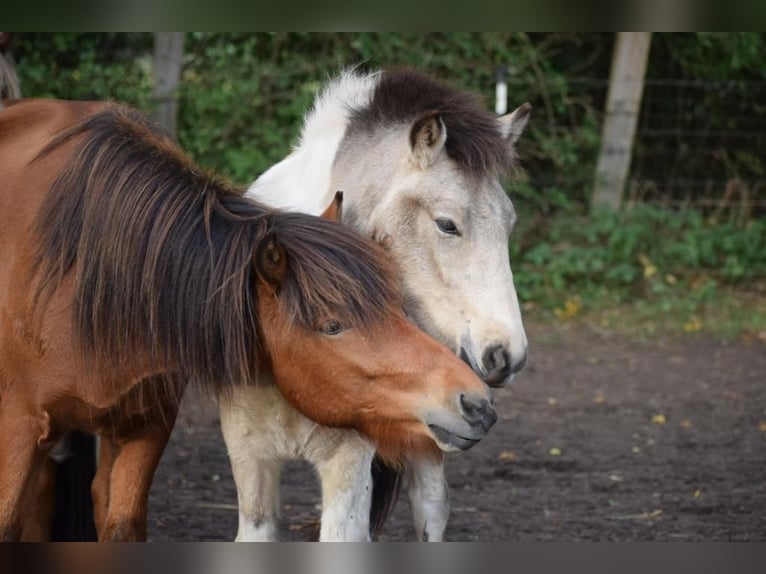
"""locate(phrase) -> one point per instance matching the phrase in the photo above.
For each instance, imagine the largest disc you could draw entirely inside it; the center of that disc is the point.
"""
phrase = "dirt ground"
(601, 438)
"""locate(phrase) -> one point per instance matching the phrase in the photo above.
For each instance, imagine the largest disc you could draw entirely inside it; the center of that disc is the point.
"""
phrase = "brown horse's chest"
(149, 402)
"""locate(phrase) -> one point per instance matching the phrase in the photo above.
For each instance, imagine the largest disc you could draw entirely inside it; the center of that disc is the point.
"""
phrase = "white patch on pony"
(293, 183)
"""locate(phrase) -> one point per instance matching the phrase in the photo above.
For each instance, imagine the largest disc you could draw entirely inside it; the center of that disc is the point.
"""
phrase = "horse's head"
(343, 353)
(446, 219)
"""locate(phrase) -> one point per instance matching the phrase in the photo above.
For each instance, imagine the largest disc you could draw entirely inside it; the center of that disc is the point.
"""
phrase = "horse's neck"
(301, 181)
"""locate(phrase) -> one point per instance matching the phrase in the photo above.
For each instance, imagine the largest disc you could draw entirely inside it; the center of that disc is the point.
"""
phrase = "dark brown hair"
(164, 255)
(474, 140)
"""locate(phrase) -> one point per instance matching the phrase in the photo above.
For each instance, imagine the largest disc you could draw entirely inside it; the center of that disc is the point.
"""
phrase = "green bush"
(243, 95)
(647, 252)
(104, 66)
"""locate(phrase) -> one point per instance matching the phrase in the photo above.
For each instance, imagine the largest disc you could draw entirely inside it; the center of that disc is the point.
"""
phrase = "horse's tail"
(73, 514)
(386, 484)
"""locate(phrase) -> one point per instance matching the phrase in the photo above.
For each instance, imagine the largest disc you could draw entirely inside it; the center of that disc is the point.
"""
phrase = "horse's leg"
(20, 457)
(100, 486)
(133, 467)
(429, 498)
(346, 484)
(257, 483)
(255, 474)
(41, 500)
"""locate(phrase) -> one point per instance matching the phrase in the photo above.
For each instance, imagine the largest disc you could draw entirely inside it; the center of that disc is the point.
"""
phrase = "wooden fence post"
(626, 85)
(168, 61)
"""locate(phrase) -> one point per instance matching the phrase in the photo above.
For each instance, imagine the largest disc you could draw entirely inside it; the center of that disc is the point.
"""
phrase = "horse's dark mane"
(474, 140)
(163, 256)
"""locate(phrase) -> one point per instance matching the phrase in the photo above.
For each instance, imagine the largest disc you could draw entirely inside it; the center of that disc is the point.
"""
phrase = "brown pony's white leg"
(346, 485)
(131, 476)
(429, 498)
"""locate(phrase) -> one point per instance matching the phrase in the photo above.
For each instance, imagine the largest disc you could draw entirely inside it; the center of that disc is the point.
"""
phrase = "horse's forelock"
(474, 140)
(333, 273)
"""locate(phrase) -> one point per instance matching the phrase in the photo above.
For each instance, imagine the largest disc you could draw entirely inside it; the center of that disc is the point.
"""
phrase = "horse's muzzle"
(452, 441)
(477, 415)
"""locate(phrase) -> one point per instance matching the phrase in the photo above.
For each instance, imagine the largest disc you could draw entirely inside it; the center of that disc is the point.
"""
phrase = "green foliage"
(103, 66)
(720, 55)
(671, 258)
(243, 95)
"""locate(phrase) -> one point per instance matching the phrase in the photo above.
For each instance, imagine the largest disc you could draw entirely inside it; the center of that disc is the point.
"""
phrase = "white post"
(501, 92)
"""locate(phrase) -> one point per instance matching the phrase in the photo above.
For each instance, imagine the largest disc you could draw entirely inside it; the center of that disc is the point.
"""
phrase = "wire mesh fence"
(699, 144)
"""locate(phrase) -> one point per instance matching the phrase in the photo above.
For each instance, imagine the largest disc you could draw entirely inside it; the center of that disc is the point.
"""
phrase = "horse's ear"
(511, 125)
(427, 136)
(271, 261)
(334, 211)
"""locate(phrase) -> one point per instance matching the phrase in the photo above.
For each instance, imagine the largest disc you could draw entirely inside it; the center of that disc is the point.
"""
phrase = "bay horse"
(127, 273)
(420, 165)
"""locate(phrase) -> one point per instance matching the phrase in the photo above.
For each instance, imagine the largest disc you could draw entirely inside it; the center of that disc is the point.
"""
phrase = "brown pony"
(127, 273)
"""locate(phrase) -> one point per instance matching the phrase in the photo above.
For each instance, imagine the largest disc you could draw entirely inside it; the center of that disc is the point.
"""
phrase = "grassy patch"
(645, 273)
(732, 315)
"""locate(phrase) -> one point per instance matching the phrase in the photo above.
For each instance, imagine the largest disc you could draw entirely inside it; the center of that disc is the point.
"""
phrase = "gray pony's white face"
(448, 232)
(451, 244)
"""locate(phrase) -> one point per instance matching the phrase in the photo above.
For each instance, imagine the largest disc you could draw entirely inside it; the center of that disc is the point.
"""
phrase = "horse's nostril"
(497, 363)
(471, 406)
(478, 410)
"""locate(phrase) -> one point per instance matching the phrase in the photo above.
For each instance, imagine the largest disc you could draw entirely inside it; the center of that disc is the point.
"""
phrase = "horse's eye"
(330, 328)
(447, 226)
